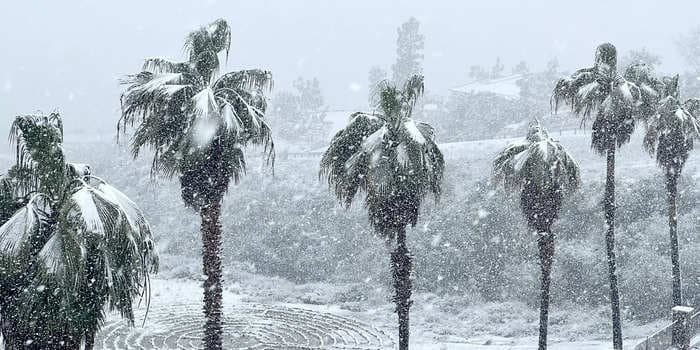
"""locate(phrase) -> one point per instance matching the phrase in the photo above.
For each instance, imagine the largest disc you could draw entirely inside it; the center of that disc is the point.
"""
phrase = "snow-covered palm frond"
(567, 90)
(205, 105)
(650, 88)
(92, 244)
(346, 144)
(62, 255)
(149, 94)
(158, 65)
(670, 133)
(17, 230)
(391, 158)
(181, 109)
(248, 107)
(413, 89)
(133, 215)
(537, 159)
(413, 132)
(39, 153)
(692, 105)
(541, 170)
(230, 118)
(204, 44)
(166, 84)
(251, 79)
(89, 211)
(601, 93)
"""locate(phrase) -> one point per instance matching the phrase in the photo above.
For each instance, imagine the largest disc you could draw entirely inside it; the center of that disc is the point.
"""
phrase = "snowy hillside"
(288, 241)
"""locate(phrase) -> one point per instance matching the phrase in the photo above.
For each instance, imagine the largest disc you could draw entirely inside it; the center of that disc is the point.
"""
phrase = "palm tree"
(70, 245)
(197, 123)
(670, 133)
(395, 161)
(601, 93)
(543, 172)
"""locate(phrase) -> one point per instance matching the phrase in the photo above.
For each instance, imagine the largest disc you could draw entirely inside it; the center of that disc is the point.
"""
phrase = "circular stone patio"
(246, 326)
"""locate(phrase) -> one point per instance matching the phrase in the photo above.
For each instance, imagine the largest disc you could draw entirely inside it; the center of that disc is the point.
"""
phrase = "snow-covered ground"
(257, 318)
(324, 314)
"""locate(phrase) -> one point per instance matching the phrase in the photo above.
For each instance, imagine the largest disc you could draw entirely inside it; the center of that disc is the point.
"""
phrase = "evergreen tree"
(521, 68)
(300, 115)
(409, 52)
(689, 48)
(497, 69)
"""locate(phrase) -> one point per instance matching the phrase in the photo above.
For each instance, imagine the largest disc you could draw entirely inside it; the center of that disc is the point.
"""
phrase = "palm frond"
(251, 79)
(541, 170)
(650, 88)
(537, 159)
(671, 132)
(159, 65)
(204, 44)
(413, 89)
(390, 157)
(17, 230)
(39, 153)
(177, 107)
(601, 93)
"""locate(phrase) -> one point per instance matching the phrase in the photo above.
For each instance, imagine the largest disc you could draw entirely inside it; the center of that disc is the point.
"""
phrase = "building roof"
(506, 87)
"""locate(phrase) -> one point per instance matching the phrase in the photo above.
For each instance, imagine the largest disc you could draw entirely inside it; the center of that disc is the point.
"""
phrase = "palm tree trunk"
(89, 341)
(211, 260)
(401, 270)
(546, 252)
(609, 206)
(677, 296)
(672, 193)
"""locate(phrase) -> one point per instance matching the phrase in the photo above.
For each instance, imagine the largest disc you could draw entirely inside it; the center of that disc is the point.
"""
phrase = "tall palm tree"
(543, 172)
(602, 94)
(396, 162)
(670, 132)
(197, 123)
(70, 245)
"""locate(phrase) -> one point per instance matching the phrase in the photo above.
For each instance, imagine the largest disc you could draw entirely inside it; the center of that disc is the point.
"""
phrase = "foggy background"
(70, 54)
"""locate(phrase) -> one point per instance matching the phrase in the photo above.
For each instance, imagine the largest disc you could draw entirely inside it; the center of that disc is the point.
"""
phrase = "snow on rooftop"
(506, 87)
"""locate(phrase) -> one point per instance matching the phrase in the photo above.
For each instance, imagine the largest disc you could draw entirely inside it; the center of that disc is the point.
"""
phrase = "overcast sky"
(70, 54)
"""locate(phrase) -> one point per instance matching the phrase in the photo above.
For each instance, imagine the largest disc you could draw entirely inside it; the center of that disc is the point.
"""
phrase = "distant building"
(506, 87)
(333, 122)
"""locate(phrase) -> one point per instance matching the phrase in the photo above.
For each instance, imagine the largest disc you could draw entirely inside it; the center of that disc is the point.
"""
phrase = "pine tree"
(409, 52)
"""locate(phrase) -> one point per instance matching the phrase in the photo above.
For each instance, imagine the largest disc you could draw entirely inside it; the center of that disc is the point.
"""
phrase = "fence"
(663, 338)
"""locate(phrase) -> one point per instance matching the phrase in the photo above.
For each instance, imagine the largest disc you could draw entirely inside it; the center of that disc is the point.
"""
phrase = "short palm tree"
(601, 93)
(70, 245)
(669, 137)
(197, 123)
(543, 172)
(396, 162)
